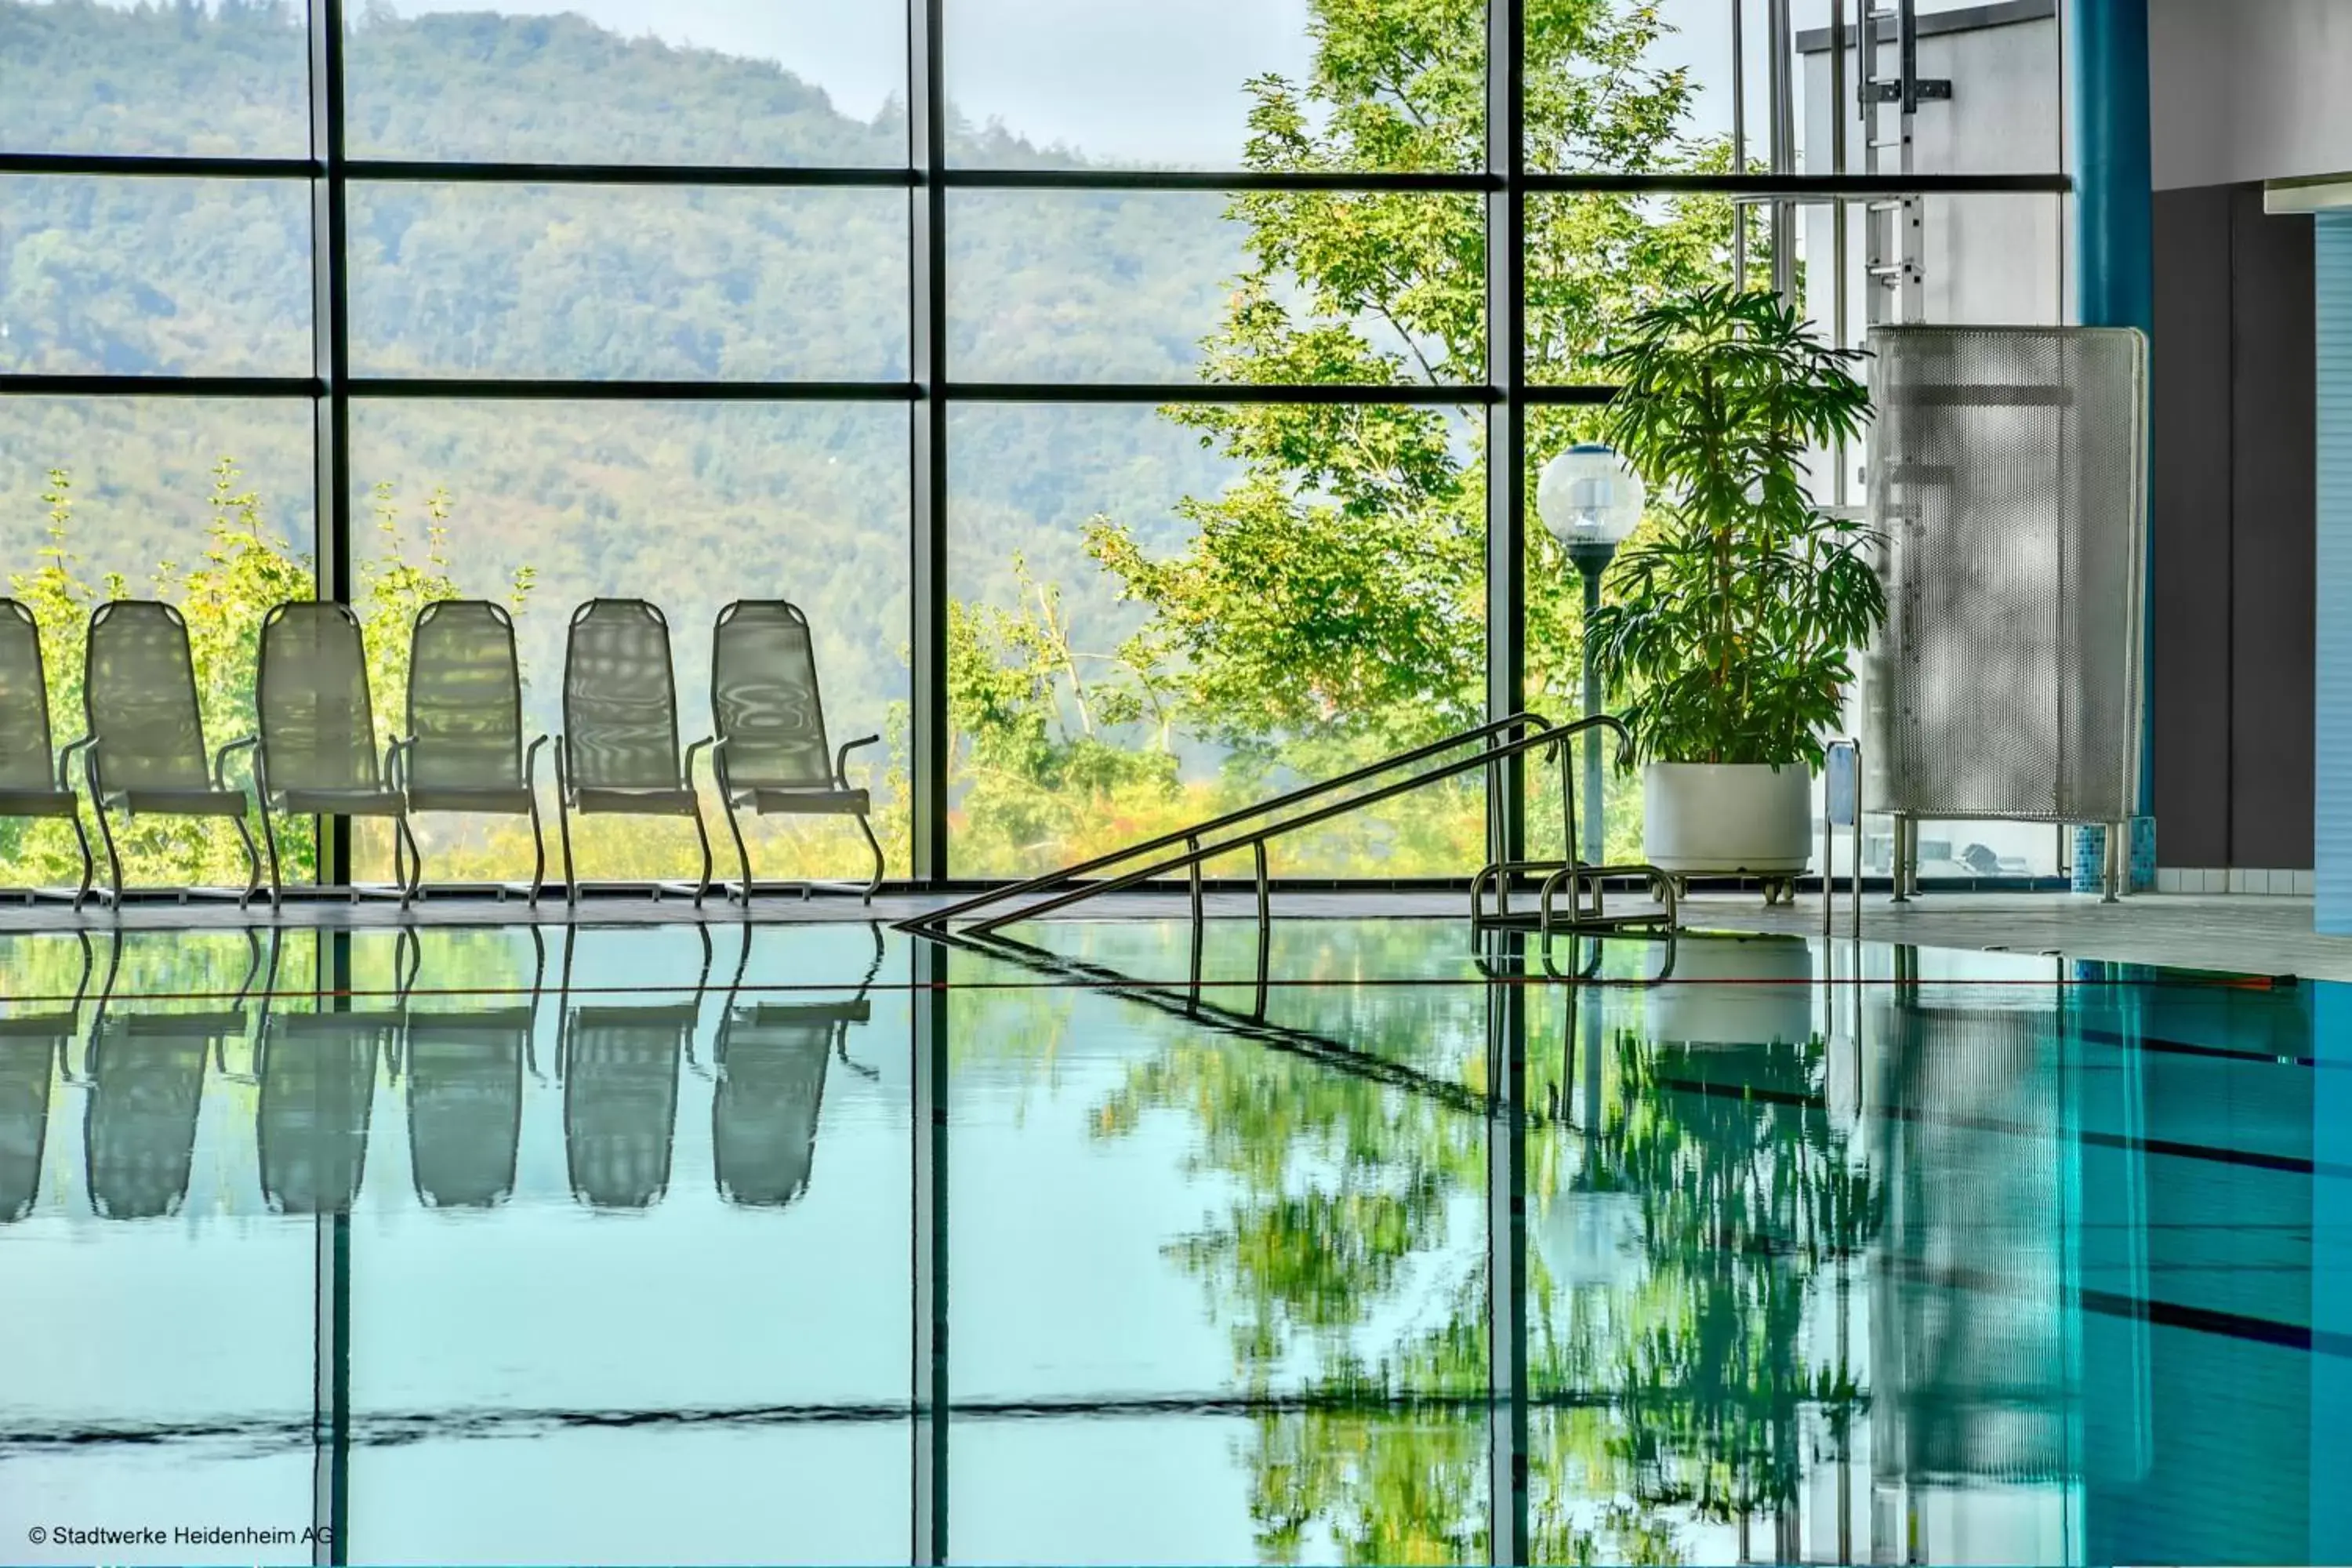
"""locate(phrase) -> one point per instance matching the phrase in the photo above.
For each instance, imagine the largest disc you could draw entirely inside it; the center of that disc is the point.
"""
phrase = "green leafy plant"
(1730, 637)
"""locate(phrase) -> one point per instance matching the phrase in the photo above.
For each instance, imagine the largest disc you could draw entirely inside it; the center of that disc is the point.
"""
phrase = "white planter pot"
(1735, 990)
(1726, 818)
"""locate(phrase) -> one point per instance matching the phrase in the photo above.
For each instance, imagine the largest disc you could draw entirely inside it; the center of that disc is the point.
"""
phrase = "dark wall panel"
(2231, 530)
(2190, 486)
(2274, 504)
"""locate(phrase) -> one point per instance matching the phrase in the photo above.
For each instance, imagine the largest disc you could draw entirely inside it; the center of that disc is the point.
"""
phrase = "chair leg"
(252, 861)
(539, 851)
(563, 827)
(113, 858)
(412, 873)
(742, 855)
(269, 837)
(415, 889)
(89, 871)
(876, 845)
(702, 836)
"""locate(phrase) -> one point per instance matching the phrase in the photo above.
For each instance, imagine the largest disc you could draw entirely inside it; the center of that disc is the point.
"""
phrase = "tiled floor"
(2269, 935)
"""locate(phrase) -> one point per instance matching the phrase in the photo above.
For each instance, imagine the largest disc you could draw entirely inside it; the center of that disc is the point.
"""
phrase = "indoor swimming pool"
(1378, 1243)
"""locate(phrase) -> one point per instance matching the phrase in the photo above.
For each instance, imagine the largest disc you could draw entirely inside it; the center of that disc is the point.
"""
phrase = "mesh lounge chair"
(33, 1041)
(317, 1073)
(145, 1075)
(771, 1062)
(464, 1090)
(145, 743)
(33, 784)
(771, 754)
(315, 748)
(618, 752)
(620, 1068)
(464, 750)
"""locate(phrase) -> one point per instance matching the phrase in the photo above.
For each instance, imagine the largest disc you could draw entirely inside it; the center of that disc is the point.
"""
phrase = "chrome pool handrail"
(1541, 732)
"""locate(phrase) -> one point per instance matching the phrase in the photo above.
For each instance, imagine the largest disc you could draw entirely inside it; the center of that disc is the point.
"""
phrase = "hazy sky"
(1136, 81)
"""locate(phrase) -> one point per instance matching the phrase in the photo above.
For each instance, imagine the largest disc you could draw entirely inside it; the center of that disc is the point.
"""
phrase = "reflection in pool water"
(801, 1244)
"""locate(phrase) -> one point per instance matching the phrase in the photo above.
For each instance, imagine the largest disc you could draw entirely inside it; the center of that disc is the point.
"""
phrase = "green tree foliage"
(1329, 604)
(1729, 641)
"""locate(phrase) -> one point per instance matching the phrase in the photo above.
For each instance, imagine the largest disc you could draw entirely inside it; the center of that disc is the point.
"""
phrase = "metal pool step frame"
(1528, 732)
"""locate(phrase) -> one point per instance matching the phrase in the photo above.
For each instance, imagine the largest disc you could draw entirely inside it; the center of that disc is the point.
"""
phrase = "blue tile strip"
(2332, 718)
(2091, 856)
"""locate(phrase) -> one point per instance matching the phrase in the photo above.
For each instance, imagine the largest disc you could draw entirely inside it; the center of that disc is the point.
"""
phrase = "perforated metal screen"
(2008, 473)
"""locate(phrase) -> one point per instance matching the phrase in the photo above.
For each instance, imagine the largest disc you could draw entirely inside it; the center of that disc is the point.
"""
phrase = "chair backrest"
(317, 1099)
(771, 1062)
(25, 1070)
(620, 698)
(139, 1128)
(318, 726)
(465, 697)
(465, 1105)
(23, 702)
(764, 701)
(139, 692)
(620, 1101)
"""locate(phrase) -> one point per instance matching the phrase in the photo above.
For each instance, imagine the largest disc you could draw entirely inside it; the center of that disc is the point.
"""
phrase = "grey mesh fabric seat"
(315, 747)
(144, 1069)
(618, 752)
(772, 754)
(35, 1038)
(316, 1075)
(464, 1070)
(770, 1061)
(144, 748)
(620, 1066)
(33, 782)
(464, 747)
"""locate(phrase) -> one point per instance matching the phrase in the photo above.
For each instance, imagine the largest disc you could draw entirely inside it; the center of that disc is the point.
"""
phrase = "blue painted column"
(2331, 246)
(2114, 274)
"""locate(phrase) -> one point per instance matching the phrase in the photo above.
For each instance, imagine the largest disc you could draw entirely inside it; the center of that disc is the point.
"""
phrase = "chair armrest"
(220, 760)
(65, 761)
(841, 758)
(704, 744)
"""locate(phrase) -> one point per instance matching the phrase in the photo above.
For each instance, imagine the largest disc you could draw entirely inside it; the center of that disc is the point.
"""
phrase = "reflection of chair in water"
(317, 1073)
(145, 1075)
(770, 1063)
(31, 1045)
(620, 1067)
(464, 1090)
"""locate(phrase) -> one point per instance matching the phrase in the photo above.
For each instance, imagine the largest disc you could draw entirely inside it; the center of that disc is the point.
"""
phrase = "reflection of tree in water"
(1342, 1187)
(1668, 1397)
(1747, 1191)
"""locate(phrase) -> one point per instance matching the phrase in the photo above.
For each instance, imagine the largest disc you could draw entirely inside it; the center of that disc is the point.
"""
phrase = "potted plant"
(1727, 645)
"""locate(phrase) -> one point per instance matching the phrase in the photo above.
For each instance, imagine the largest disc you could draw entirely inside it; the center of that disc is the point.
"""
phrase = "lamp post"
(1591, 500)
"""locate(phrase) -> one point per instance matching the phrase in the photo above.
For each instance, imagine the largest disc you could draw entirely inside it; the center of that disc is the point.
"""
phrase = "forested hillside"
(683, 504)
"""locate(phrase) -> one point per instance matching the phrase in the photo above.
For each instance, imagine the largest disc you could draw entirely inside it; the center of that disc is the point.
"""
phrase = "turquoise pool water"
(840, 1247)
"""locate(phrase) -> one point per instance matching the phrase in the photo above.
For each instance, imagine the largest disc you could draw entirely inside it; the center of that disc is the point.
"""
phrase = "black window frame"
(1504, 185)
